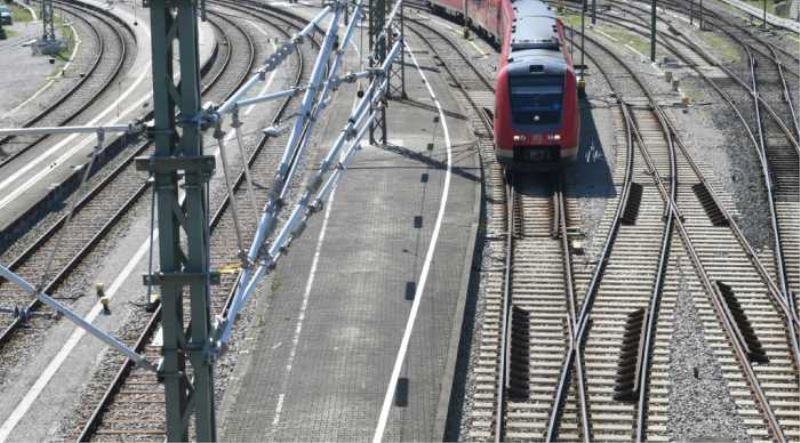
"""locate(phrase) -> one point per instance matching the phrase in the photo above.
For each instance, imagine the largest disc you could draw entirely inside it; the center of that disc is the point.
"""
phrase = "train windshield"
(536, 100)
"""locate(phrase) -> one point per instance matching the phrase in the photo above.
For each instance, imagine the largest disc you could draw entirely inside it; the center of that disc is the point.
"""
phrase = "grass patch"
(572, 20)
(695, 95)
(20, 14)
(724, 49)
(627, 38)
(67, 36)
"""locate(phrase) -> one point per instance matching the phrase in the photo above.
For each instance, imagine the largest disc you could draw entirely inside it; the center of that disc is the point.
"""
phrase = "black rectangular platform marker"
(417, 221)
(424, 178)
(401, 393)
(411, 290)
(713, 211)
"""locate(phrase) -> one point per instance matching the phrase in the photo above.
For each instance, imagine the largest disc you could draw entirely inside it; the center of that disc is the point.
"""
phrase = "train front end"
(536, 108)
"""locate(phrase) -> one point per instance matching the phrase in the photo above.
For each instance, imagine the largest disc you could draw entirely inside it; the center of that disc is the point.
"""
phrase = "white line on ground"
(412, 316)
(51, 80)
(477, 48)
(298, 327)
(57, 361)
(306, 295)
(25, 171)
(44, 379)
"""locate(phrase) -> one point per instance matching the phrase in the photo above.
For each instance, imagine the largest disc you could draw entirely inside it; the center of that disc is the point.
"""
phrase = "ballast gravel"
(700, 407)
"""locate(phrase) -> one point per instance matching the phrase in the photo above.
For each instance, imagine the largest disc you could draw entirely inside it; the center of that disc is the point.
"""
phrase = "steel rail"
(489, 84)
(146, 336)
(508, 275)
(637, 27)
(655, 296)
(499, 419)
(778, 292)
(767, 175)
(54, 283)
(774, 290)
(741, 354)
(787, 92)
(71, 92)
(714, 14)
(569, 281)
(572, 301)
(580, 329)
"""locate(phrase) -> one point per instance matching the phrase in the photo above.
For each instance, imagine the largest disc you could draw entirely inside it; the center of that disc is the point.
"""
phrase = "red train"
(536, 118)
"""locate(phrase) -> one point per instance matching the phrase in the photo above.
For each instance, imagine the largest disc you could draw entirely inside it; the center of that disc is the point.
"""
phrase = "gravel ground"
(718, 140)
(700, 407)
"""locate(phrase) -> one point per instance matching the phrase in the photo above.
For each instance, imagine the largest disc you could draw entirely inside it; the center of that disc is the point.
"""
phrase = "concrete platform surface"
(32, 176)
(319, 358)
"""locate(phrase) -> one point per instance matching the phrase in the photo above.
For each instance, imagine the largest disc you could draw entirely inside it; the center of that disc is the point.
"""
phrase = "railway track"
(758, 365)
(779, 84)
(771, 138)
(743, 326)
(96, 215)
(111, 38)
(131, 406)
(477, 97)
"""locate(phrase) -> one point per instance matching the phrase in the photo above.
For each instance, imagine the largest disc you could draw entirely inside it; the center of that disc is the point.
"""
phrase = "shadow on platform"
(459, 155)
(432, 108)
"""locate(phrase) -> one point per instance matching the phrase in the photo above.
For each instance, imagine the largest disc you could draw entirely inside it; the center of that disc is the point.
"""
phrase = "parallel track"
(758, 390)
(132, 405)
(108, 33)
(772, 140)
(704, 242)
(97, 213)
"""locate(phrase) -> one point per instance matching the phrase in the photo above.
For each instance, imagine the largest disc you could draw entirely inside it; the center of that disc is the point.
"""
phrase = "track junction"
(645, 292)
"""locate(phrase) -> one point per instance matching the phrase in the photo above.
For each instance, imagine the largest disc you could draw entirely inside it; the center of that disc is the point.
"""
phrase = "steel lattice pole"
(183, 264)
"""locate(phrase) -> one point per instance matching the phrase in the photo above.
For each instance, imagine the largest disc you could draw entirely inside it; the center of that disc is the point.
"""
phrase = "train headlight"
(553, 137)
(519, 138)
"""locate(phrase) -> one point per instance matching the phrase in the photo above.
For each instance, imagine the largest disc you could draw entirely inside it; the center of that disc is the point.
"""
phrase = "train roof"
(534, 26)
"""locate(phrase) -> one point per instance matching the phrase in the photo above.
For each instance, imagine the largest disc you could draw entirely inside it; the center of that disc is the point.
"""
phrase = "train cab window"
(536, 100)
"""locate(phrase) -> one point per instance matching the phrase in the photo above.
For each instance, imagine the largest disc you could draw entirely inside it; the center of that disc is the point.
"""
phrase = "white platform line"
(412, 316)
(44, 379)
(301, 317)
(57, 361)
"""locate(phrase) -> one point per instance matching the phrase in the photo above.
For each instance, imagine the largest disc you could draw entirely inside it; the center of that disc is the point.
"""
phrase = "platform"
(53, 163)
(318, 360)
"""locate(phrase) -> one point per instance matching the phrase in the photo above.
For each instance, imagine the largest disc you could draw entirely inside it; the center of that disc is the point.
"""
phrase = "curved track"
(110, 37)
(737, 324)
(626, 350)
(132, 405)
(96, 215)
